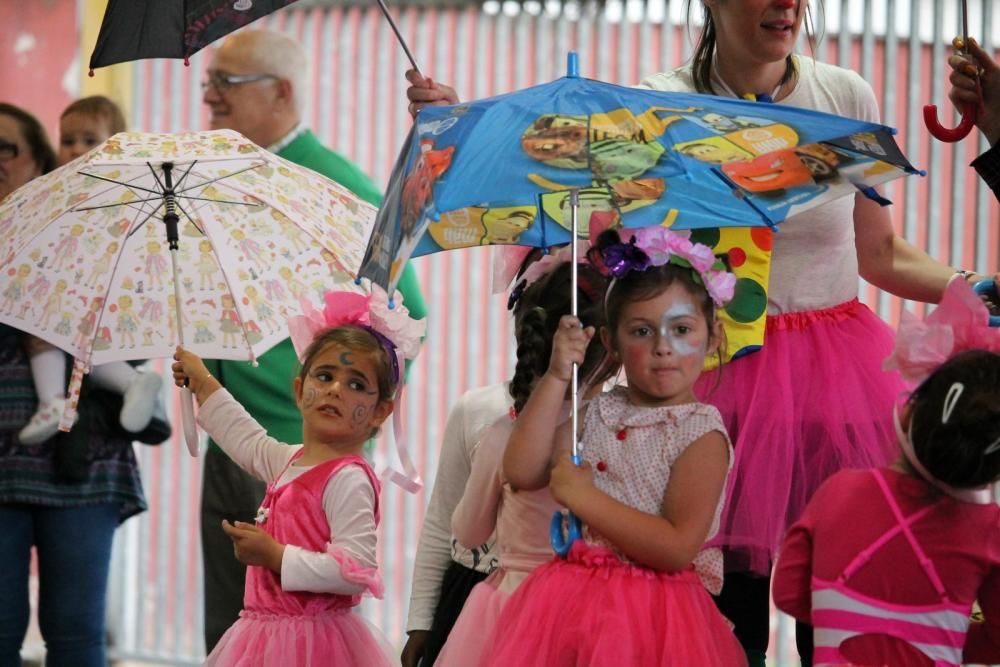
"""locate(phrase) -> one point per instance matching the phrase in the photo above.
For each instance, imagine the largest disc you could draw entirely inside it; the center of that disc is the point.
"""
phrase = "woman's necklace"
(758, 97)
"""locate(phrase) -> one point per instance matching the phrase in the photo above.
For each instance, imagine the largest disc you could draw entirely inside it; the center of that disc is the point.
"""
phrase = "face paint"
(308, 397)
(676, 343)
(360, 414)
(345, 359)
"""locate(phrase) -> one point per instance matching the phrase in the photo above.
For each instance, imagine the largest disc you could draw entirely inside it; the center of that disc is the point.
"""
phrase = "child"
(897, 587)
(444, 572)
(313, 551)
(520, 518)
(633, 590)
(84, 124)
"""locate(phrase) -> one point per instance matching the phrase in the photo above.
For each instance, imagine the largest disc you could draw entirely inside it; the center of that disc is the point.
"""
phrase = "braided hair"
(536, 318)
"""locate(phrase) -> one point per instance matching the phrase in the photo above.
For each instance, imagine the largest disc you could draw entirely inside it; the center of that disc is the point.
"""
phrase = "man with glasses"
(256, 84)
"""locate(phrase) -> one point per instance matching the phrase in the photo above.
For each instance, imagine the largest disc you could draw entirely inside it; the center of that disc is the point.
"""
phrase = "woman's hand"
(254, 546)
(966, 87)
(423, 92)
(567, 480)
(413, 651)
(569, 346)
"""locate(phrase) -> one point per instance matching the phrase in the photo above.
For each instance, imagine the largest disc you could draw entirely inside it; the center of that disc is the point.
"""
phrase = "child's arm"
(528, 458)
(792, 577)
(238, 434)
(475, 516)
(982, 644)
(668, 542)
(349, 565)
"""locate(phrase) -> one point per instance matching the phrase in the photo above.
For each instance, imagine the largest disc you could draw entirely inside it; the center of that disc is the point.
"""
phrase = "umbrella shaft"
(574, 205)
(170, 218)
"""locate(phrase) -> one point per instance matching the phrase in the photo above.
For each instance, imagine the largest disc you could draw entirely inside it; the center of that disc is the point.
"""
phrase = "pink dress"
(898, 587)
(598, 608)
(277, 627)
(521, 520)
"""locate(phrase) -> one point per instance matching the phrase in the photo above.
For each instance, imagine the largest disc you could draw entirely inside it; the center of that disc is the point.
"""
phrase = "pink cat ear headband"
(393, 328)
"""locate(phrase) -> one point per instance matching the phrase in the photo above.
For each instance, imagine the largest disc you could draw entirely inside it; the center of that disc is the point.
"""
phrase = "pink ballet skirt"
(594, 610)
(812, 401)
(337, 637)
(479, 616)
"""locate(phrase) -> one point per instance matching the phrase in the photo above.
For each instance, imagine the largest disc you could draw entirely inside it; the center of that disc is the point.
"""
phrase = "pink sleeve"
(354, 572)
(475, 517)
(793, 573)
(982, 643)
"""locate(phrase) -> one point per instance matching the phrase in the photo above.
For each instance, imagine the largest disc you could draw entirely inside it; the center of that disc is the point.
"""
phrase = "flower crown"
(959, 323)
(392, 327)
(657, 246)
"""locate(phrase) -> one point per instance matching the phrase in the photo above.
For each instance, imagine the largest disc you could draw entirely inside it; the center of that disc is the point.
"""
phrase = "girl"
(83, 125)
(793, 427)
(312, 551)
(633, 590)
(898, 587)
(520, 518)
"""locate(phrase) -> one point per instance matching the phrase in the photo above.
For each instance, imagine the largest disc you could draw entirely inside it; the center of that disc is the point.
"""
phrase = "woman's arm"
(668, 542)
(792, 589)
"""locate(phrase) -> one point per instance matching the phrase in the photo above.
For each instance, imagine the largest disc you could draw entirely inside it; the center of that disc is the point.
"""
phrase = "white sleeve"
(434, 549)
(349, 565)
(240, 436)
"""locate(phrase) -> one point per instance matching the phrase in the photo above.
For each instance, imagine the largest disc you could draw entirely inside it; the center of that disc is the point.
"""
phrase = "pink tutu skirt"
(812, 401)
(593, 610)
(335, 638)
(467, 639)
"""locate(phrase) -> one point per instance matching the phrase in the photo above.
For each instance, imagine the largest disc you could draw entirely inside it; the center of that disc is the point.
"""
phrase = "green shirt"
(266, 391)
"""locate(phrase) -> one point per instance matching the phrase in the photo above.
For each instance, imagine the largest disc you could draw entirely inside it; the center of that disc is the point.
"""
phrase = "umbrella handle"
(562, 539)
(187, 418)
(985, 288)
(949, 135)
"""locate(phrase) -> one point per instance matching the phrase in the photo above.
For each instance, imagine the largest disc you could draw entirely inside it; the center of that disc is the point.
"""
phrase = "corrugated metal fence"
(357, 106)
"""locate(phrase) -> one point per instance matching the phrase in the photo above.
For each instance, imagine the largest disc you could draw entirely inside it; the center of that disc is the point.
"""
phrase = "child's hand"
(254, 546)
(189, 371)
(424, 92)
(567, 479)
(569, 346)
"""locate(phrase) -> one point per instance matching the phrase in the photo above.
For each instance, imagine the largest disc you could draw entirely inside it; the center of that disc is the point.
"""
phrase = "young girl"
(520, 518)
(84, 124)
(312, 551)
(633, 590)
(897, 588)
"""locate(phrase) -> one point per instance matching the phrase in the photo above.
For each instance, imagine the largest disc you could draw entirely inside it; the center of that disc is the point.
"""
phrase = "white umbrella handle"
(187, 419)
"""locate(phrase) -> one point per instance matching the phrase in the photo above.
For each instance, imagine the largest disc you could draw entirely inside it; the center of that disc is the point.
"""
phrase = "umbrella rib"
(121, 183)
(136, 228)
(190, 219)
(121, 203)
(217, 179)
(221, 201)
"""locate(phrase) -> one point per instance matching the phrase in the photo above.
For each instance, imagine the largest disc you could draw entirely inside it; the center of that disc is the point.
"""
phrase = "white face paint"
(667, 323)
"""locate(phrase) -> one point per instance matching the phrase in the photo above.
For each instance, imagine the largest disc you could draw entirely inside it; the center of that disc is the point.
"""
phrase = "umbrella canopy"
(500, 171)
(86, 249)
(134, 29)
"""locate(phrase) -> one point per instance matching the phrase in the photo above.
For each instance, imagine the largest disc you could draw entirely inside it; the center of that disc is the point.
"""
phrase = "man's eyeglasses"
(8, 151)
(222, 82)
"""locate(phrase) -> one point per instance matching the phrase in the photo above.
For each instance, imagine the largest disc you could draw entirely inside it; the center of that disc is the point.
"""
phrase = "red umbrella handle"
(943, 133)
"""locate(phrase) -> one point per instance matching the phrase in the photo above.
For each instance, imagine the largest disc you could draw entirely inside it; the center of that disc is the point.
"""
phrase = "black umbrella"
(135, 29)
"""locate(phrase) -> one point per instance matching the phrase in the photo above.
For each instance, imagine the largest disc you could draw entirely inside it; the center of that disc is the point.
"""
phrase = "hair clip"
(993, 447)
(515, 294)
(954, 393)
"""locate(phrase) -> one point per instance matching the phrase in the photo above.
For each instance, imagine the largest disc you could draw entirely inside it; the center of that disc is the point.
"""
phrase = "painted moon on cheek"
(360, 414)
(308, 397)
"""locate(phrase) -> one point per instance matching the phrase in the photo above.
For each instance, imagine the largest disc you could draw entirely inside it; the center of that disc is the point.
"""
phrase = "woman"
(65, 496)
(791, 429)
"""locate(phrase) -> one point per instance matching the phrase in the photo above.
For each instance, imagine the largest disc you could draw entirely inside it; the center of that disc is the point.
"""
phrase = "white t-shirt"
(814, 263)
(473, 412)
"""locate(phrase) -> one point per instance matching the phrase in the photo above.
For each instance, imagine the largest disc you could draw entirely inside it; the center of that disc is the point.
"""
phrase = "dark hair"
(34, 135)
(704, 50)
(536, 318)
(357, 339)
(954, 452)
(98, 106)
(643, 285)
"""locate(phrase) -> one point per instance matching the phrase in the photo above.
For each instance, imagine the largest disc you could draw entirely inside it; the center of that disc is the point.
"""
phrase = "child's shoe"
(44, 423)
(139, 400)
